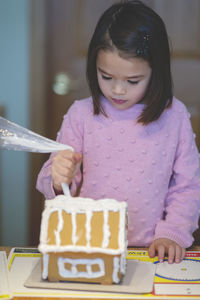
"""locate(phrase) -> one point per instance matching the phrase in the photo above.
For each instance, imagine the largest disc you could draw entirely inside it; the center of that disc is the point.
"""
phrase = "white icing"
(115, 270)
(63, 272)
(83, 204)
(123, 263)
(43, 229)
(59, 228)
(122, 225)
(89, 270)
(88, 227)
(74, 237)
(106, 230)
(72, 248)
(45, 266)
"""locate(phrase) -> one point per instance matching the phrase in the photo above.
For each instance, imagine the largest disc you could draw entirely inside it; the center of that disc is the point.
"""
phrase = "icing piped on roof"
(75, 206)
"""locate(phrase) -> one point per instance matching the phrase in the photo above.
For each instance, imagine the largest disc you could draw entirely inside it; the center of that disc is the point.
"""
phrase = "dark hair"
(135, 30)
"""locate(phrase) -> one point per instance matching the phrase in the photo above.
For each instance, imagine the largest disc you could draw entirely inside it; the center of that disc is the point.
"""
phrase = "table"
(7, 250)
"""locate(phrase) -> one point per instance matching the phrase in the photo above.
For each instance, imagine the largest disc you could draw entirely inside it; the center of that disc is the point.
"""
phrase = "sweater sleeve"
(70, 134)
(182, 205)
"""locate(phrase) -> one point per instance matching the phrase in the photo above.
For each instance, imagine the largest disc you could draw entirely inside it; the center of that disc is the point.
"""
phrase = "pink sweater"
(154, 168)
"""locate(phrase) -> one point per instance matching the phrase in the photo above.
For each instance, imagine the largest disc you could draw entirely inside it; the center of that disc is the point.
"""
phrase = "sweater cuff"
(184, 240)
(48, 189)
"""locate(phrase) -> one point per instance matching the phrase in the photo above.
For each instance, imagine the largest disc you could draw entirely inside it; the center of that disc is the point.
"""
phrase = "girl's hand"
(64, 167)
(164, 246)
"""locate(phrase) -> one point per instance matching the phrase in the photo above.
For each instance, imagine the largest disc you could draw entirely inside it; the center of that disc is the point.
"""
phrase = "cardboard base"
(5, 292)
(139, 278)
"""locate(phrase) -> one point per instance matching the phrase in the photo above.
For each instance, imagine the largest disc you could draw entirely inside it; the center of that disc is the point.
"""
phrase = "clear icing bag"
(16, 137)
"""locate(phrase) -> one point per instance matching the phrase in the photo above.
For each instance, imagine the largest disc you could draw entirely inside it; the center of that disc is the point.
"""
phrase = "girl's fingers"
(180, 254)
(66, 163)
(172, 252)
(151, 250)
(163, 247)
(161, 253)
(58, 180)
(183, 253)
(62, 170)
(66, 154)
(64, 167)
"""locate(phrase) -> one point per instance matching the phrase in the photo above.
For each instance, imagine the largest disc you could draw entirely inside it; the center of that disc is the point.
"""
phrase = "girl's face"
(122, 81)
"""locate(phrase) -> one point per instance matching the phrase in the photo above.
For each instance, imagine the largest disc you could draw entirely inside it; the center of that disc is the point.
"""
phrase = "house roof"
(83, 224)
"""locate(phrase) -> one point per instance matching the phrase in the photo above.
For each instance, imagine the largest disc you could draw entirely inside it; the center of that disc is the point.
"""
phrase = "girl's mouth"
(119, 101)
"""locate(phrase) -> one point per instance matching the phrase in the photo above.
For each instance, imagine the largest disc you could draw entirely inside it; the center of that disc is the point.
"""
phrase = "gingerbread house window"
(75, 263)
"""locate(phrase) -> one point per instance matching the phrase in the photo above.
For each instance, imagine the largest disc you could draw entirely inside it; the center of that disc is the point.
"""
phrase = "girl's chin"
(119, 107)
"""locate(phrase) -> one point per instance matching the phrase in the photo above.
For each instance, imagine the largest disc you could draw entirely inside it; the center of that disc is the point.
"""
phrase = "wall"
(14, 96)
(182, 19)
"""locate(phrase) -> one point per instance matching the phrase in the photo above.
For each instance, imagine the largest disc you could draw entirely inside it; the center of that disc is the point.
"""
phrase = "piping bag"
(18, 138)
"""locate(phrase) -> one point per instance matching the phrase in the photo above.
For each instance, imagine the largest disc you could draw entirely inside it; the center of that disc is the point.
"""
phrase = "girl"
(132, 137)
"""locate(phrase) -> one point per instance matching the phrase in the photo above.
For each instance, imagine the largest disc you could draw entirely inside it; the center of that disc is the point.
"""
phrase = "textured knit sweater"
(154, 168)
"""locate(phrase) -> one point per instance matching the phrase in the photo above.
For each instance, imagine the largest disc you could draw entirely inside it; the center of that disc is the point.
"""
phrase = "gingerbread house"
(83, 240)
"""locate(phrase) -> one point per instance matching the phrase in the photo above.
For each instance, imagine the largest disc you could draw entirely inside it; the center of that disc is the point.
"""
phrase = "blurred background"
(42, 70)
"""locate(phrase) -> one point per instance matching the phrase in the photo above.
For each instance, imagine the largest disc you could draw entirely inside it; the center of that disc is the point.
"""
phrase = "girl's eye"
(105, 77)
(133, 82)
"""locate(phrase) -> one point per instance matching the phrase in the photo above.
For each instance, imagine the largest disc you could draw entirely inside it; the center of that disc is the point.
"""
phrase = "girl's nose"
(119, 88)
